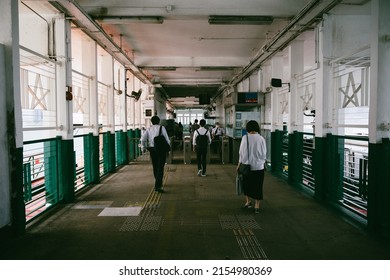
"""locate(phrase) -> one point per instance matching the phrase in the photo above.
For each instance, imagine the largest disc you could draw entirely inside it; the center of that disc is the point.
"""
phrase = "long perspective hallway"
(197, 218)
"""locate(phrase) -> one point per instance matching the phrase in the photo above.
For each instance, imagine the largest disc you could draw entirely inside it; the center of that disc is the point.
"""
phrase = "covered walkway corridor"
(80, 81)
(197, 218)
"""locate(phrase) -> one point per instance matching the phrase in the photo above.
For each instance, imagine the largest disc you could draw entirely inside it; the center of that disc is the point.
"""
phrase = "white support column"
(108, 78)
(89, 68)
(64, 77)
(277, 72)
(123, 99)
(254, 82)
(131, 101)
(139, 103)
(380, 83)
(244, 85)
(11, 129)
(260, 81)
(324, 85)
(296, 63)
(5, 201)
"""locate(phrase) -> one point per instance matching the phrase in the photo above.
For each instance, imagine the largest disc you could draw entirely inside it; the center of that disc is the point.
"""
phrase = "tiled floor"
(197, 218)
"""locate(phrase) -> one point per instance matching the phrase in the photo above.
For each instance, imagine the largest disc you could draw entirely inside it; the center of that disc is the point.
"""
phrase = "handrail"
(351, 137)
(39, 141)
(43, 128)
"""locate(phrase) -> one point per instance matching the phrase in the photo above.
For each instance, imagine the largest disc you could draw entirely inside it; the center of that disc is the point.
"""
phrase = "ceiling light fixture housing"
(129, 19)
(243, 20)
(158, 68)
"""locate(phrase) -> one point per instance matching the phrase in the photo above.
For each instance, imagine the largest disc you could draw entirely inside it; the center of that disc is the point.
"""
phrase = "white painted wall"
(350, 32)
(4, 160)
(10, 101)
(34, 31)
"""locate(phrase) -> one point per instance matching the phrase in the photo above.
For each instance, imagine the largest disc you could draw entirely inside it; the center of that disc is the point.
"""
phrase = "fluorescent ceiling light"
(244, 20)
(216, 68)
(158, 68)
(129, 19)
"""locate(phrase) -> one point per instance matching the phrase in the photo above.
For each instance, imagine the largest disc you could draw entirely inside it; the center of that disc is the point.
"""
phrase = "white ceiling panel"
(173, 44)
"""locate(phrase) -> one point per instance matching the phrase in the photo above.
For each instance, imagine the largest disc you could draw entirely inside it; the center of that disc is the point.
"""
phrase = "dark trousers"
(253, 184)
(201, 154)
(158, 161)
(216, 143)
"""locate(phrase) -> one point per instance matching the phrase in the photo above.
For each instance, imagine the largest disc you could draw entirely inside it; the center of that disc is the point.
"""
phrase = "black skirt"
(253, 184)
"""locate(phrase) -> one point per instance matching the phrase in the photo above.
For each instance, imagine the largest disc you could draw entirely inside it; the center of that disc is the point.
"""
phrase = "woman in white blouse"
(253, 182)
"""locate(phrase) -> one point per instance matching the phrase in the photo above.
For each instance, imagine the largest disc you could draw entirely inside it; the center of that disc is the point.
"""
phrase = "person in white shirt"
(158, 159)
(201, 141)
(216, 134)
(253, 182)
(218, 131)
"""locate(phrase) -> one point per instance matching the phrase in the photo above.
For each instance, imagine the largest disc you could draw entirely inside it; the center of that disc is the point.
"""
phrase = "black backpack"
(160, 144)
(202, 140)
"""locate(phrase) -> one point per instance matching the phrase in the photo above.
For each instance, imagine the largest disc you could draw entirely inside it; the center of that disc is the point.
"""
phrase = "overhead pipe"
(75, 12)
(266, 49)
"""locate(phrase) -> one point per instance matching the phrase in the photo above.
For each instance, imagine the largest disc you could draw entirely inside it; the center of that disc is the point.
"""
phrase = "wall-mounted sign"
(247, 98)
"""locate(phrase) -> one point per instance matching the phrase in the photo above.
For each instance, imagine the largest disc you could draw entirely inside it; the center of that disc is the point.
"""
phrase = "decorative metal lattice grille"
(351, 93)
(38, 92)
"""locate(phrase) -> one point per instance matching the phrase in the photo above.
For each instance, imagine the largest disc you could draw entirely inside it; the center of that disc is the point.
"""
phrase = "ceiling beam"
(310, 15)
(75, 12)
(179, 61)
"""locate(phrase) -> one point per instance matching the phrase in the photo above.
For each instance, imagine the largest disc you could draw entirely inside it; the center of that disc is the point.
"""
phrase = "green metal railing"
(105, 153)
(354, 173)
(120, 148)
(134, 142)
(93, 157)
(337, 172)
(82, 176)
(280, 153)
(307, 161)
(301, 159)
(40, 175)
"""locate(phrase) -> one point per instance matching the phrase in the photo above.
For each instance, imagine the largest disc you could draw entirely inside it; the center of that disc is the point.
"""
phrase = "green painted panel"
(295, 154)
(131, 135)
(112, 152)
(27, 181)
(106, 151)
(379, 191)
(276, 150)
(320, 168)
(87, 143)
(18, 209)
(51, 167)
(94, 146)
(137, 142)
(120, 138)
(67, 170)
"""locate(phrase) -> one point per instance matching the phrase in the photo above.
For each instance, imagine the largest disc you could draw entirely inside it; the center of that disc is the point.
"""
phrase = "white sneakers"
(199, 172)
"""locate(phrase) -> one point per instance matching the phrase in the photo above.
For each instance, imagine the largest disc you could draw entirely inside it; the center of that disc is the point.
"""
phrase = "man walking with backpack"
(201, 141)
(158, 149)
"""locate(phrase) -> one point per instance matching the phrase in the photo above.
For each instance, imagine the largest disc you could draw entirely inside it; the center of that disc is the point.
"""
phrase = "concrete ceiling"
(181, 53)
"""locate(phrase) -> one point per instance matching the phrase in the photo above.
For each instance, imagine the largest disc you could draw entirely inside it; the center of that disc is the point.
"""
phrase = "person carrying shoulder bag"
(158, 156)
(253, 151)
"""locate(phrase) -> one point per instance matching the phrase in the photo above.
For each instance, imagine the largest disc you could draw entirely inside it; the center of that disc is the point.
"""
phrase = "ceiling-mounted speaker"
(136, 94)
(204, 99)
(276, 82)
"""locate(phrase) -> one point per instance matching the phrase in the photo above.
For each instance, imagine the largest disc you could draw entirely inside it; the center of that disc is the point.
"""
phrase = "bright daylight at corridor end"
(81, 82)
